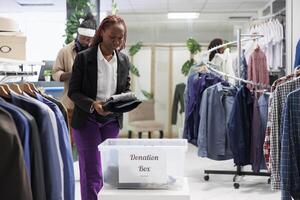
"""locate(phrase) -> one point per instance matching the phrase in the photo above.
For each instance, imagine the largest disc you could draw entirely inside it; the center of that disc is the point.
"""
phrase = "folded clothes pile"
(121, 103)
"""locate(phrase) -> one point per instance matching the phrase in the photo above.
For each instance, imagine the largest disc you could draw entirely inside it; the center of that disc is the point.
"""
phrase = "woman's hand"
(99, 109)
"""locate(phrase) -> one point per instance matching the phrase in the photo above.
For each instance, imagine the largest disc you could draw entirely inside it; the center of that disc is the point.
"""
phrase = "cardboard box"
(12, 45)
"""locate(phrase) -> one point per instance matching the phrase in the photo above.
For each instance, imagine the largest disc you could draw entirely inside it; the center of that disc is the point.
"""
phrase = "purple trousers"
(87, 139)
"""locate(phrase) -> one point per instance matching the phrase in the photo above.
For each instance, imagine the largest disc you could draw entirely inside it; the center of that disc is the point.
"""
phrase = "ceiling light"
(183, 15)
(35, 2)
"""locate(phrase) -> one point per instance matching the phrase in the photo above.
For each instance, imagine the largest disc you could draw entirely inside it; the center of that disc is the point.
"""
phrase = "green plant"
(187, 66)
(134, 70)
(135, 48)
(148, 95)
(194, 47)
(132, 51)
(79, 9)
(48, 72)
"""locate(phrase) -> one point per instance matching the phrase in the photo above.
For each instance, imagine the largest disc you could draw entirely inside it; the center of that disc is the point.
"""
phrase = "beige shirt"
(64, 63)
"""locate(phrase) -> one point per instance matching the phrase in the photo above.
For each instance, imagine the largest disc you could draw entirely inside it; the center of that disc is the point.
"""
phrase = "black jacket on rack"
(178, 99)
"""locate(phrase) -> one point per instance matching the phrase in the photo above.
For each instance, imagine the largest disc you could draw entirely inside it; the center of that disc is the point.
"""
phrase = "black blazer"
(83, 84)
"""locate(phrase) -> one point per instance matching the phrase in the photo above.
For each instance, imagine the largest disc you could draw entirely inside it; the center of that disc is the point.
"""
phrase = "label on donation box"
(142, 166)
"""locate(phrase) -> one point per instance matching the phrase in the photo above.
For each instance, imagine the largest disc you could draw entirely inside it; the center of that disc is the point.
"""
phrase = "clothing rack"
(8, 74)
(279, 13)
(20, 63)
(238, 172)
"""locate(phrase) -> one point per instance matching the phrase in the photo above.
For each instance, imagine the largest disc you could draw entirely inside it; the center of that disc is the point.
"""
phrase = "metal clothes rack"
(8, 74)
(238, 172)
(280, 12)
(21, 73)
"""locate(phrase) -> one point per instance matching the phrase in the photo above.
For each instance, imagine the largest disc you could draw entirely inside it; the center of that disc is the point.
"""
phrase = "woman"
(214, 43)
(98, 73)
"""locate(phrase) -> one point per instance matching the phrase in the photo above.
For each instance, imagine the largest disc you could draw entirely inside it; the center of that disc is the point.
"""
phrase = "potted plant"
(47, 75)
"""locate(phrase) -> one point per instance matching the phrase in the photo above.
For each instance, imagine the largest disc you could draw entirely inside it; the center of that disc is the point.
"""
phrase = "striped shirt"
(278, 101)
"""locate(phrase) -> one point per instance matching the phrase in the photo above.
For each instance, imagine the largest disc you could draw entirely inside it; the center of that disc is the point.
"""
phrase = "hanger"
(26, 88)
(4, 93)
(32, 86)
(16, 88)
(6, 87)
(202, 68)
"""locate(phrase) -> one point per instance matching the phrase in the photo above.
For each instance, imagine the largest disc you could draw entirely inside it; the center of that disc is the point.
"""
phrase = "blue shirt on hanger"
(65, 148)
(297, 55)
(51, 160)
(215, 109)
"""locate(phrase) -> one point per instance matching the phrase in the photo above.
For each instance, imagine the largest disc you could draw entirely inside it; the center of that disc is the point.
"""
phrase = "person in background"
(98, 73)
(62, 68)
(214, 43)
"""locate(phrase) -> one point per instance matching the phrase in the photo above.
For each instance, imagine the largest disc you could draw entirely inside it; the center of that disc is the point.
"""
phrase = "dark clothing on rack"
(216, 106)
(65, 148)
(36, 160)
(239, 126)
(297, 55)
(61, 107)
(263, 111)
(14, 182)
(257, 139)
(290, 148)
(23, 131)
(52, 168)
(37, 171)
(178, 99)
(197, 83)
(244, 67)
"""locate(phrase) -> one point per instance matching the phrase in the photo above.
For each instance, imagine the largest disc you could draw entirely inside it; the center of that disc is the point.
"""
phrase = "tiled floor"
(219, 187)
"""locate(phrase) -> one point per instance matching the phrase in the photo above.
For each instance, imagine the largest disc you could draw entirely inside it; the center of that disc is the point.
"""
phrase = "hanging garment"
(257, 67)
(178, 99)
(197, 83)
(278, 102)
(257, 139)
(225, 63)
(215, 109)
(269, 122)
(240, 126)
(297, 55)
(47, 126)
(14, 183)
(23, 131)
(61, 107)
(290, 148)
(263, 111)
(65, 148)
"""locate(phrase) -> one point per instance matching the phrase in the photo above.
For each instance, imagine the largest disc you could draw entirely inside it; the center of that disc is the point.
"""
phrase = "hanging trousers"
(87, 139)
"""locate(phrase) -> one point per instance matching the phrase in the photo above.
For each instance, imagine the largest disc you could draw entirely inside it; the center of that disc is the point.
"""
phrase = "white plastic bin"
(143, 163)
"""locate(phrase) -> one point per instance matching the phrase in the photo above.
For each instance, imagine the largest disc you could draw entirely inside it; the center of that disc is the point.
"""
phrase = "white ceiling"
(203, 6)
(11, 6)
(211, 11)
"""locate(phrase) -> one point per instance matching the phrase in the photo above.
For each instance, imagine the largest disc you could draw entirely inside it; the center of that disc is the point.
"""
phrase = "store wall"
(179, 32)
(167, 74)
(44, 32)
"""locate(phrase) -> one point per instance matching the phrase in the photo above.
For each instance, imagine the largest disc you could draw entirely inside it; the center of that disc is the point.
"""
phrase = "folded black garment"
(120, 106)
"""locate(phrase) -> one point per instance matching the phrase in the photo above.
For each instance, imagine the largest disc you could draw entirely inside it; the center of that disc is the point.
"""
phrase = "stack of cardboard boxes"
(12, 42)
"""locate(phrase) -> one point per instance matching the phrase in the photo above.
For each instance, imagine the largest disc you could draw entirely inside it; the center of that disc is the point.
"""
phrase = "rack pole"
(239, 44)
